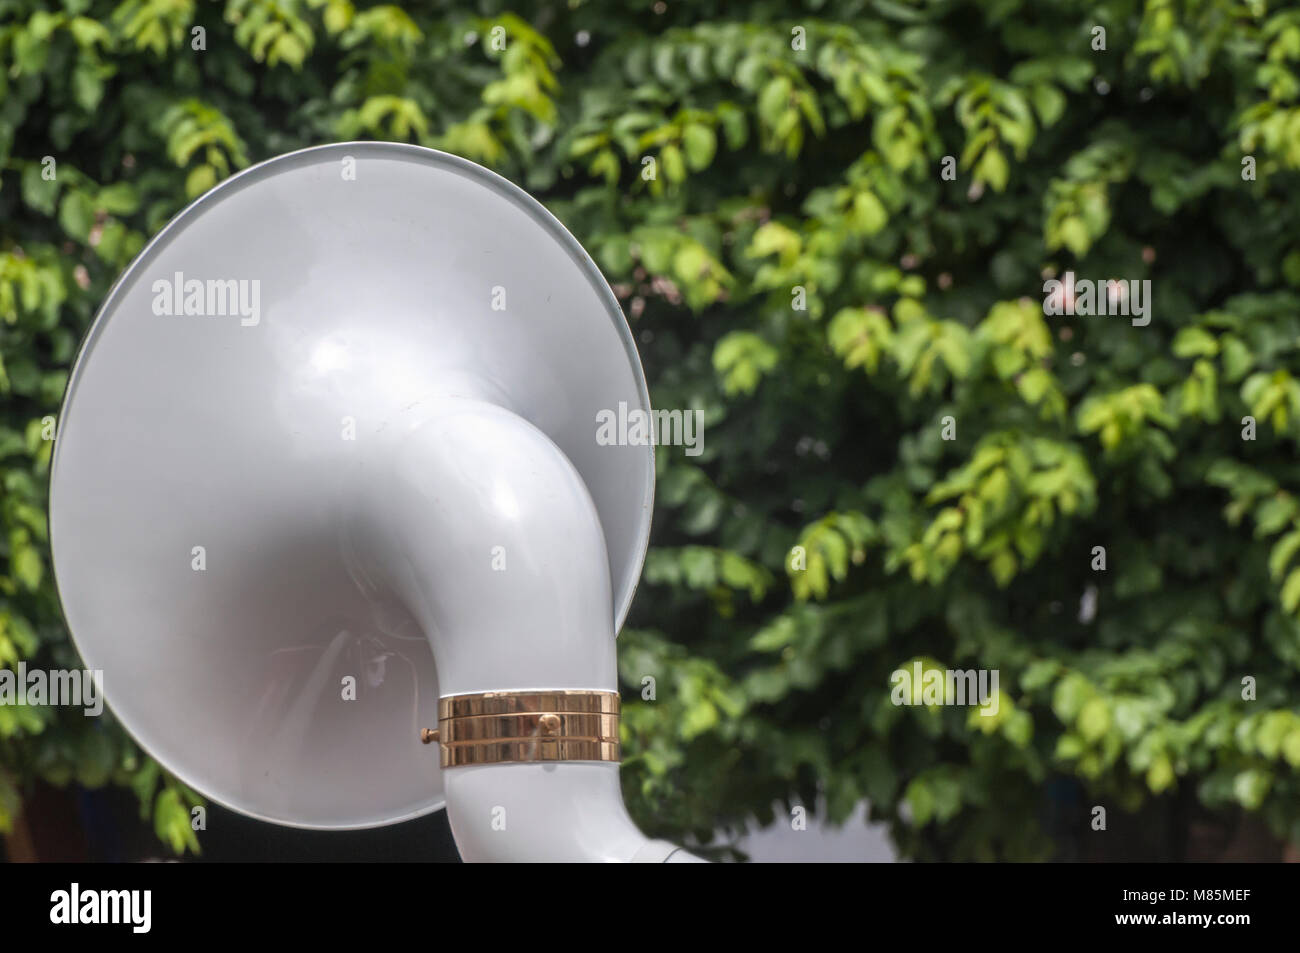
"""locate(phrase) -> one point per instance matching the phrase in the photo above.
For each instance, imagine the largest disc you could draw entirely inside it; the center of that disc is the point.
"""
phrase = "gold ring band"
(498, 727)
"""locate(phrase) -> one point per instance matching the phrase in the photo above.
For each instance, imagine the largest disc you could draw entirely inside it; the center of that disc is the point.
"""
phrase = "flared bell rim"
(623, 601)
(635, 555)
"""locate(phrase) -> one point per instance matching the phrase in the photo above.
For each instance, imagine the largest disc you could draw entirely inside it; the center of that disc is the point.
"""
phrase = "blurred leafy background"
(762, 188)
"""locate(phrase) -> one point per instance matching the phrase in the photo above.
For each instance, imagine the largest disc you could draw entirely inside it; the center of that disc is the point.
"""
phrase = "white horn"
(327, 476)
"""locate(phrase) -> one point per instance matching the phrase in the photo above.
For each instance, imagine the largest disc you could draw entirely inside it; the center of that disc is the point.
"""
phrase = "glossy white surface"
(477, 523)
(330, 558)
(562, 813)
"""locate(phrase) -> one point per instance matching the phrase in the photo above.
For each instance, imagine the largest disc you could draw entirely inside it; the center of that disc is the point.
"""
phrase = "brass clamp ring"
(497, 727)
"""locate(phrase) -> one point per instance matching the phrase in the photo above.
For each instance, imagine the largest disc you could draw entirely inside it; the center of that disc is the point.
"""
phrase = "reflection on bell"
(328, 464)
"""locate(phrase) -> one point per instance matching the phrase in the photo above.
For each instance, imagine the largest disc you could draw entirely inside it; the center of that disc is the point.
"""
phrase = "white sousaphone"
(327, 477)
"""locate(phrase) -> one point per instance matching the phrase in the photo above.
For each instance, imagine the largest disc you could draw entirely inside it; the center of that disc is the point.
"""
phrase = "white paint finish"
(457, 479)
(564, 813)
(197, 431)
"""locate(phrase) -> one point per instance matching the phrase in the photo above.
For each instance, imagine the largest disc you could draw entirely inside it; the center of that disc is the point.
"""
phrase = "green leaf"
(27, 566)
(700, 144)
(1094, 719)
(742, 358)
(1291, 592)
(992, 168)
(673, 164)
(77, 214)
(1194, 342)
(1160, 776)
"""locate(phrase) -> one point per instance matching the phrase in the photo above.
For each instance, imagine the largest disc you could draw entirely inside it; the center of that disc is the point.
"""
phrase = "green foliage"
(768, 203)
